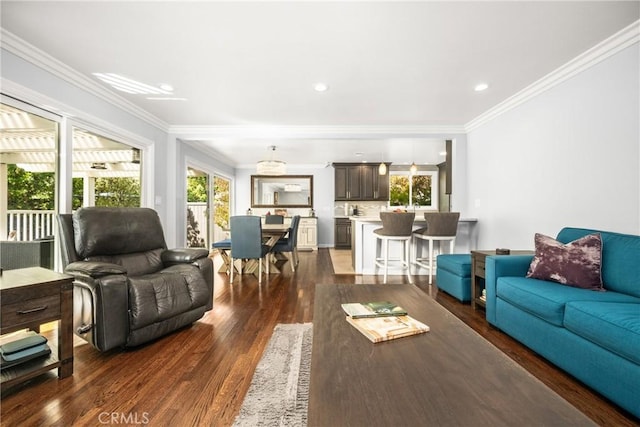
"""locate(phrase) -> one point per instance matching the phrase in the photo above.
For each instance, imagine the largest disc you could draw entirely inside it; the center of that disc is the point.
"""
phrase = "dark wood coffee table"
(448, 376)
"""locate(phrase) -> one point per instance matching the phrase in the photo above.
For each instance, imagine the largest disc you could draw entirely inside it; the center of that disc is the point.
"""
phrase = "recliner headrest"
(114, 231)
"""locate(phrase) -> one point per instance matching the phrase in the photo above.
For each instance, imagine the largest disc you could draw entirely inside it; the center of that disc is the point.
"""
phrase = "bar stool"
(396, 226)
(441, 226)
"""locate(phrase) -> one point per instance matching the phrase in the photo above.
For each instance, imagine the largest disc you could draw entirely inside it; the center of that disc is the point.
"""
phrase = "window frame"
(434, 187)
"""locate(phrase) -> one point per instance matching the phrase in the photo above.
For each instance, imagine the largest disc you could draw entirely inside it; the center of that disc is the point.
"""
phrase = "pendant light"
(271, 166)
(413, 169)
(382, 169)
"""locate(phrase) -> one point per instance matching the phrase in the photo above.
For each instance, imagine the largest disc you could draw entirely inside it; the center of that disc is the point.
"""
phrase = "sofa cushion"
(547, 300)
(136, 264)
(620, 255)
(612, 325)
(157, 297)
(114, 231)
(458, 264)
(577, 263)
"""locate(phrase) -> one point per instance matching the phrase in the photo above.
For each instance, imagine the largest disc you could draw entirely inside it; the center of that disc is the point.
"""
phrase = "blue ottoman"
(453, 275)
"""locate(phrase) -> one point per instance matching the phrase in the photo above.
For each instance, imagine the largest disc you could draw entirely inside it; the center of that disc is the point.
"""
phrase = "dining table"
(271, 233)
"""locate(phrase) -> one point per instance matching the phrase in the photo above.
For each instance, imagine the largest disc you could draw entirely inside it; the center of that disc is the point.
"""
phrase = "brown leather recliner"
(128, 288)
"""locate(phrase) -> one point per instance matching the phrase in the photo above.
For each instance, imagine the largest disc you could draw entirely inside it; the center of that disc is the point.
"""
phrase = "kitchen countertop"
(377, 218)
(364, 242)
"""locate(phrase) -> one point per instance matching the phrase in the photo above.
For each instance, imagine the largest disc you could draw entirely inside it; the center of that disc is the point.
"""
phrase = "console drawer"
(31, 311)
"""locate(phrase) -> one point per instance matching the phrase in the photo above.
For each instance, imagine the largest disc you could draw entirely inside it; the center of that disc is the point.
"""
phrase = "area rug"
(279, 391)
(341, 261)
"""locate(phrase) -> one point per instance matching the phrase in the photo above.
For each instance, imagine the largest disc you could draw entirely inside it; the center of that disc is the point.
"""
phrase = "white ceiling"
(391, 64)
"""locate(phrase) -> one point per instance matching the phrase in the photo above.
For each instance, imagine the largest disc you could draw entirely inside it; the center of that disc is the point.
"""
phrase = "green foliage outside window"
(421, 190)
(117, 192)
(414, 192)
(36, 191)
(197, 189)
(398, 190)
(196, 193)
(109, 192)
(221, 202)
(30, 191)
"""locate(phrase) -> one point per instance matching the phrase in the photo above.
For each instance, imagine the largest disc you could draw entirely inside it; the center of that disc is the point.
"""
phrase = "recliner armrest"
(502, 266)
(183, 255)
(94, 269)
(100, 307)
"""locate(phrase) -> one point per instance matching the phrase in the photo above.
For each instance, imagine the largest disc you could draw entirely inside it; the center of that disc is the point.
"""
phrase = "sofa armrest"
(94, 269)
(502, 266)
(100, 303)
(183, 256)
(196, 256)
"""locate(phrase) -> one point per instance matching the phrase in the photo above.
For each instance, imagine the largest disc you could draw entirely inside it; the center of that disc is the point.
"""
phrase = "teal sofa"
(592, 335)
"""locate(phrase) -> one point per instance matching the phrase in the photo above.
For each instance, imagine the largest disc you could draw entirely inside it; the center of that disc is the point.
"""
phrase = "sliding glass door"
(28, 148)
(208, 207)
(221, 207)
(197, 208)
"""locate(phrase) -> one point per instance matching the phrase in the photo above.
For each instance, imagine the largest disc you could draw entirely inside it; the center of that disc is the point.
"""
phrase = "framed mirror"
(283, 191)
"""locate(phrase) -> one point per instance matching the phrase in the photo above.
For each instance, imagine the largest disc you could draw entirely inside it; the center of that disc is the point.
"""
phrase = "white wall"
(568, 157)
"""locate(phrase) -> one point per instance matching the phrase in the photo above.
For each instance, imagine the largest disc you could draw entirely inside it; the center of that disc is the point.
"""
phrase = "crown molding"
(308, 132)
(603, 50)
(15, 45)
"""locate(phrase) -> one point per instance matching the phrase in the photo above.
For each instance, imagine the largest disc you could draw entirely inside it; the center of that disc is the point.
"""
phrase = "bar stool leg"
(407, 245)
(430, 261)
(377, 255)
(386, 260)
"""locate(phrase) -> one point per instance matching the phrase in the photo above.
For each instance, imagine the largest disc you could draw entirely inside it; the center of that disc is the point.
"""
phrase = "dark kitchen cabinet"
(360, 182)
(348, 181)
(342, 233)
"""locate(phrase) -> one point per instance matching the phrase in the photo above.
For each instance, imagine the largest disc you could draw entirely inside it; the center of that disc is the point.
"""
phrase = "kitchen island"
(364, 243)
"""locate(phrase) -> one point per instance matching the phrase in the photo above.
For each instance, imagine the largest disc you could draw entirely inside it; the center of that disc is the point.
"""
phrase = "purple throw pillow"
(577, 263)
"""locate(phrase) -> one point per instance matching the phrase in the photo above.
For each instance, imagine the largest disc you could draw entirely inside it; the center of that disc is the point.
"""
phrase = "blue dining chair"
(246, 243)
(290, 243)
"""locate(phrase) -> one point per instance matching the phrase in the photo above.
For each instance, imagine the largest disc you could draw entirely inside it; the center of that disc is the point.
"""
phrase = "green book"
(373, 309)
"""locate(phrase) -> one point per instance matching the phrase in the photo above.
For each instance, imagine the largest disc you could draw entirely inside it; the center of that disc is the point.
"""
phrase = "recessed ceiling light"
(480, 87)
(166, 87)
(321, 87)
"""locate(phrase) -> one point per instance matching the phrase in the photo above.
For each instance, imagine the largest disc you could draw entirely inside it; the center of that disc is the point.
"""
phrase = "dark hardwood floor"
(199, 375)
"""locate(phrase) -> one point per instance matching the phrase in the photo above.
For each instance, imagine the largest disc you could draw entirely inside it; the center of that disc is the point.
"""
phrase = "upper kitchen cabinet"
(356, 181)
(348, 180)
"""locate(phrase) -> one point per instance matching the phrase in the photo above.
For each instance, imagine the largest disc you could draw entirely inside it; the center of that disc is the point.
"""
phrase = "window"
(105, 172)
(419, 190)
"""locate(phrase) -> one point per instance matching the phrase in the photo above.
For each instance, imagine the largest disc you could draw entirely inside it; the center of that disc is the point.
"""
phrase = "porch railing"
(27, 225)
